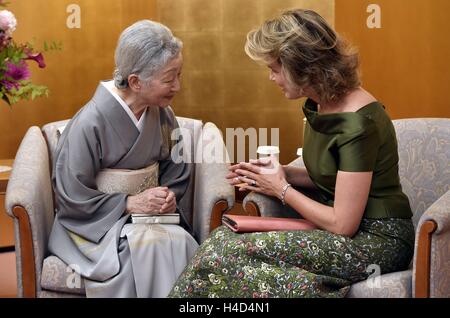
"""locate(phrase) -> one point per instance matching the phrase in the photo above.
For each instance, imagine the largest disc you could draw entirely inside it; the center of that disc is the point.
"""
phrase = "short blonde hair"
(310, 52)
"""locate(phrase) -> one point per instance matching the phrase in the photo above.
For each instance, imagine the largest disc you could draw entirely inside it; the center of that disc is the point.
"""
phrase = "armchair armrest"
(263, 205)
(29, 202)
(431, 269)
(213, 195)
(297, 163)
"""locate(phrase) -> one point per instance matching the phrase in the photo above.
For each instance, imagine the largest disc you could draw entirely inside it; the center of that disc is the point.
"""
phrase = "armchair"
(30, 202)
(424, 156)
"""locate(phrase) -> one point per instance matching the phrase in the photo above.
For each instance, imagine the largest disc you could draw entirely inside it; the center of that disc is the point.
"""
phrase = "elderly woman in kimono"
(125, 128)
(363, 218)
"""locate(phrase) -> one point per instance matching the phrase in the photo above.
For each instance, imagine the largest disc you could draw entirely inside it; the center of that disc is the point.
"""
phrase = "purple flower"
(9, 85)
(38, 58)
(17, 72)
(4, 39)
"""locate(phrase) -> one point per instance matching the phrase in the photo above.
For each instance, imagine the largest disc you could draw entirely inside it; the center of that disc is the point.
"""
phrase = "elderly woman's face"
(163, 86)
(277, 75)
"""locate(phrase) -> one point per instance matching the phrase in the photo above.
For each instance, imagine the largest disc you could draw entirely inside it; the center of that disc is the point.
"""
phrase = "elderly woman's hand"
(150, 201)
(170, 206)
(264, 175)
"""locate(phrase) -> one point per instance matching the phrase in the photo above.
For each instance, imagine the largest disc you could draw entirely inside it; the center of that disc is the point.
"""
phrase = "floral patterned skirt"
(295, 263)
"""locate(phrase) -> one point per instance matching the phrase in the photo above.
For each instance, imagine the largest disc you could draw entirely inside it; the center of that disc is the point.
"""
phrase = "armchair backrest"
(51, 132)
(424, 157)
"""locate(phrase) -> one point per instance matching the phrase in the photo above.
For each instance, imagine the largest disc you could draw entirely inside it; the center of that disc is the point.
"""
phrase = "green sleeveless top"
(355, 142)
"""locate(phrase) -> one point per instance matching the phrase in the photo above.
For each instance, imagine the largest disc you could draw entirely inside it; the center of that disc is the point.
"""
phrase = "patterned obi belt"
(128, 181)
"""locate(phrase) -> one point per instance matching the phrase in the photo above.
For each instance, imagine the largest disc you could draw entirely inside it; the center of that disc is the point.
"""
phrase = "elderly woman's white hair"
(144, 48)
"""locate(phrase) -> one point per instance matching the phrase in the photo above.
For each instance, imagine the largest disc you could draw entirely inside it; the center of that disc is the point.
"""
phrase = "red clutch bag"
(246, 224)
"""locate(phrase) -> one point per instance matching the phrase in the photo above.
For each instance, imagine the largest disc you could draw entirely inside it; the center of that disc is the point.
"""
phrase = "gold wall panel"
(220, 83)
(405, 63)
(73, 73)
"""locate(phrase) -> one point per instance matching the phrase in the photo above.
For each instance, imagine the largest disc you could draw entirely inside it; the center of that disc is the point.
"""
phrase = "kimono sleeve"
(174, 175)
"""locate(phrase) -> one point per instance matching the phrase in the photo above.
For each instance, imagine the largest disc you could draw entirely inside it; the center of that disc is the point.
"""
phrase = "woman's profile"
(350, 153)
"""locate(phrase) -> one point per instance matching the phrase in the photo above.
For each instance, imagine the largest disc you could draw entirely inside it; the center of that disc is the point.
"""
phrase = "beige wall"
(73, 73)
(220, 83)
(406, 62)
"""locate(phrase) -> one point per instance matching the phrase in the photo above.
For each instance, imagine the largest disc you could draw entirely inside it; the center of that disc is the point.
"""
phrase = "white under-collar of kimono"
(138, 123)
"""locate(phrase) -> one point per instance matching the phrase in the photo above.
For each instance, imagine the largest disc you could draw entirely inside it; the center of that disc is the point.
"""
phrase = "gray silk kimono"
(91, 231)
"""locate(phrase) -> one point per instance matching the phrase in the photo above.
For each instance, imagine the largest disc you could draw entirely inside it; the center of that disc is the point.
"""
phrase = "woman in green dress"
(350, 153)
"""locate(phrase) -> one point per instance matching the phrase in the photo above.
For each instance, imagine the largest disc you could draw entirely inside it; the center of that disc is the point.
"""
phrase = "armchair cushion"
(392, 285)
(58, 277)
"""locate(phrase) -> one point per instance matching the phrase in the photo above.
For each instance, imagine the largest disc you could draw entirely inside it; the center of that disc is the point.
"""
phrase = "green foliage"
(53, 46)
(15, 76)
(15, 81)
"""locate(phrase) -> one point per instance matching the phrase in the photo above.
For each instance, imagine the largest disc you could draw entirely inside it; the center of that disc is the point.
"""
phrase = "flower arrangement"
(15, 83)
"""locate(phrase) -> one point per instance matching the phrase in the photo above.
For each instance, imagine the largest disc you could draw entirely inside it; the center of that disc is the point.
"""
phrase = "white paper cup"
(265, 151)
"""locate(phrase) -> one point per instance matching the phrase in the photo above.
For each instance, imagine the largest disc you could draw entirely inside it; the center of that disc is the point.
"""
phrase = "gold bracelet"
(283, 192)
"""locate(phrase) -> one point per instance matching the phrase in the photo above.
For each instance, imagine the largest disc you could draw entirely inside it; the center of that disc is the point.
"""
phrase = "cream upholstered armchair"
(29, 201)
(424, 168)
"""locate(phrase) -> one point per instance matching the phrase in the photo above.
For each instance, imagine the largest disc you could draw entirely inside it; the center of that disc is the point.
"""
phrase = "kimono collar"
(110, 108)
(342, 122)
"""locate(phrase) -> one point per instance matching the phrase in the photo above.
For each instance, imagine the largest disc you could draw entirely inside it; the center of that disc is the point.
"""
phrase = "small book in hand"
(168, 218)
(246, 224)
